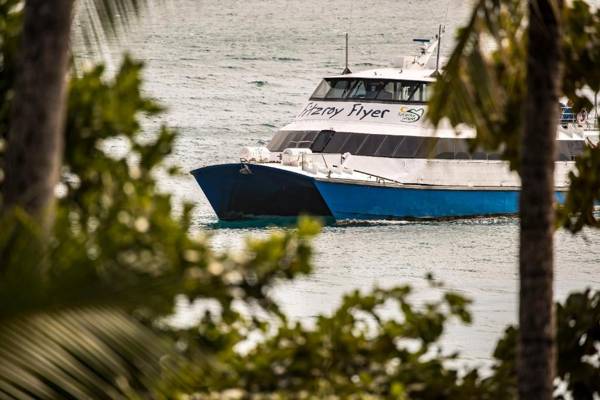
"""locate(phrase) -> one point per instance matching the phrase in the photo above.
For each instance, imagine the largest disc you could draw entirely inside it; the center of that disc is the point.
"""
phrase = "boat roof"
(422, 75)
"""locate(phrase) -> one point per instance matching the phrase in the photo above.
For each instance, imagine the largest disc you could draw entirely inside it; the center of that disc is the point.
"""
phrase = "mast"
(346, 69)
(439, 45)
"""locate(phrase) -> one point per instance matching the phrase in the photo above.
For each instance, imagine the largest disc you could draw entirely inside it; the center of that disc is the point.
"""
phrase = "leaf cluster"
(357, 350)
(83, 308)
(581, 48)
(484, 84)
(117, 258)
(10, 33)
(578, 347)
(377, 345)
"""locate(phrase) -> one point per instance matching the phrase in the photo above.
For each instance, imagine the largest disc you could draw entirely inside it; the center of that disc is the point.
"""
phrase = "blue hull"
(242, 191)
(359, 201)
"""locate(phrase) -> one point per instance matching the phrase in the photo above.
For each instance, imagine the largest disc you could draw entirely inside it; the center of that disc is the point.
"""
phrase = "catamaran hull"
(364, 202)
(243, 191)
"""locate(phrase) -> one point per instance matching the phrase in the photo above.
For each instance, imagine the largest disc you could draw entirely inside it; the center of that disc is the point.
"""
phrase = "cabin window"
(424, 92)
(576, 148)
(353, 143)
(339, 89)
(321, 141)
(297, 140)
(285, 139)
(370, 146)
(307, 139)
(359, 90)
(277, 141)
(393, 146)
(322, 90)
(387, 92)
(388, 146)
(336, 144)
(444, 149)
(569, 149)
(408, 90)
(408, 148)
(373, 90)
(427, 147)
(461, 150)
(413, 91)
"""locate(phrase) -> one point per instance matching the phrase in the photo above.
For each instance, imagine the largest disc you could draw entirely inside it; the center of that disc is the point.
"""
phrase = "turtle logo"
(410, 114)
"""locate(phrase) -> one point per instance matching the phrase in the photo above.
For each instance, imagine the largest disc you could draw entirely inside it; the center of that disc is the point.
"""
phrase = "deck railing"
(320, 162)
(331, 164)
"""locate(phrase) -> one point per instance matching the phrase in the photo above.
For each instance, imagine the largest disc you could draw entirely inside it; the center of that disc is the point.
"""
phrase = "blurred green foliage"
(10, 31)
(483, 83)
(118, 256)
(357, 352)
(484, 86)
(578, 345)
(578, 337)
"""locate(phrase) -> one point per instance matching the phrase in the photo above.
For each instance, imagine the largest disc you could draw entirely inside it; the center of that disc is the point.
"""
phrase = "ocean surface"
(232, 72)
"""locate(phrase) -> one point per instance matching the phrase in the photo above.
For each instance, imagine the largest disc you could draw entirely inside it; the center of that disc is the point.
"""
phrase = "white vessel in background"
(360, 149)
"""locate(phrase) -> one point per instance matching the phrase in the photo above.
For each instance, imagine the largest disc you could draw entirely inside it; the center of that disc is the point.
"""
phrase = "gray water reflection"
(477, 258)
(231, 72)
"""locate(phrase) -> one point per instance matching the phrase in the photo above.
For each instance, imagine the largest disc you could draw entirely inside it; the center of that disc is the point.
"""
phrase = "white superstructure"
(360, 148)
(370, 125)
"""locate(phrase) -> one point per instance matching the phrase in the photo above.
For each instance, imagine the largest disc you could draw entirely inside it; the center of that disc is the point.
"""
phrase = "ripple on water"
(232, 58)
(258, 83)
(286, 59)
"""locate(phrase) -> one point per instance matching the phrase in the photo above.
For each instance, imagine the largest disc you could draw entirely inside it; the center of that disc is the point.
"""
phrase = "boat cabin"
(372, 89)
(379, 113)
(398, 146)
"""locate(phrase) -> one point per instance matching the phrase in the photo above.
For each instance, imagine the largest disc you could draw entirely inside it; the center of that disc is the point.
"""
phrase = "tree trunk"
(536, 364)
(35, 141)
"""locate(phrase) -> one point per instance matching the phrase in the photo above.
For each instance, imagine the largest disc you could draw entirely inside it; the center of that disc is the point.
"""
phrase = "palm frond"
(482, 85)
(97, 22)
(89, 352)
(67, 332)
(114, 15)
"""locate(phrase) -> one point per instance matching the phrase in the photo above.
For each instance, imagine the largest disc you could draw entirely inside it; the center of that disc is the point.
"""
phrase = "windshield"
(373, 89)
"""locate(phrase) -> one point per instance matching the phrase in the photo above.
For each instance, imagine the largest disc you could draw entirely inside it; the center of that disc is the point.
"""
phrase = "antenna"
(439, 45)
(346, 69)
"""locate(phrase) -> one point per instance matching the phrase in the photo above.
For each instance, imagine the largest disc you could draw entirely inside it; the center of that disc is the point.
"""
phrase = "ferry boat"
(361, 149)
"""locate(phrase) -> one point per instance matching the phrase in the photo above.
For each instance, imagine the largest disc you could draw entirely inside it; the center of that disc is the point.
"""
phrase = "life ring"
(582, 117)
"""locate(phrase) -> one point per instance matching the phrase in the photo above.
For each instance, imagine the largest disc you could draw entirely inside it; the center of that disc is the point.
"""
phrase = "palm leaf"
(112, 15)
(90, 352)
(482, 85)
(97, 22)
(65, 332)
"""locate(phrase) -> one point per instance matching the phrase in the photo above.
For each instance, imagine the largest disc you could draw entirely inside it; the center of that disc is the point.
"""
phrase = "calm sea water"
(231, 72)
